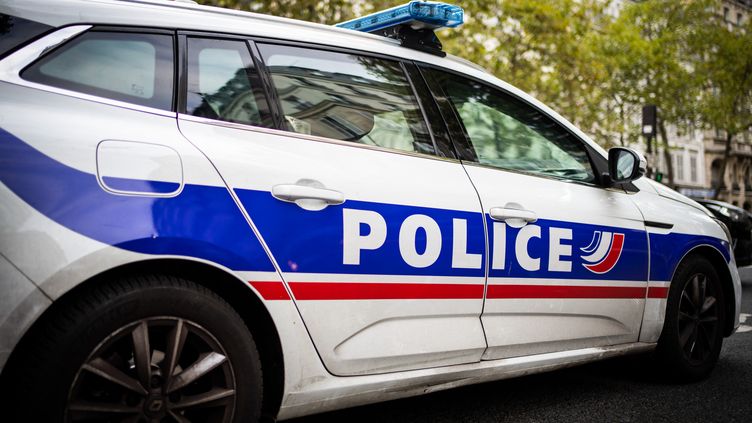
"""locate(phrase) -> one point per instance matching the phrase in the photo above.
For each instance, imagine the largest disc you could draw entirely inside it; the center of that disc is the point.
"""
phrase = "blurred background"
(598, 62)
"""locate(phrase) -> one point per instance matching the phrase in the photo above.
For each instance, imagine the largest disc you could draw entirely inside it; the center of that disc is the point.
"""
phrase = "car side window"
(223, 83)
(126, 66)
(510, 134)
(347, 97)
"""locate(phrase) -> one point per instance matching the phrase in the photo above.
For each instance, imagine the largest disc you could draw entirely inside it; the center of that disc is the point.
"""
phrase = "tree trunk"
(667, 154)
(724, 162)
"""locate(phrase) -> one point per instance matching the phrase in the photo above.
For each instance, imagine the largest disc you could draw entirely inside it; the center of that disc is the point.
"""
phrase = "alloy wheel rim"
(153, 370)
(698, 319)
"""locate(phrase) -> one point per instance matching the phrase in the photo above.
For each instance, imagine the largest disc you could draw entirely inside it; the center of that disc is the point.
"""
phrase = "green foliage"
(594, 69)
(724, 70)
(538, 46)
(320, 11)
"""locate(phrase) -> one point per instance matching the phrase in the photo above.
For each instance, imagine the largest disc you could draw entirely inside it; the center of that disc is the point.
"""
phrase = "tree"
(538, 46)
(726, 74)
(650, 53)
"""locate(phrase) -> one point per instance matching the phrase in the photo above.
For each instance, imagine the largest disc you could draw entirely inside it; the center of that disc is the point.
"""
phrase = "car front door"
(378, 238)
(568, 258)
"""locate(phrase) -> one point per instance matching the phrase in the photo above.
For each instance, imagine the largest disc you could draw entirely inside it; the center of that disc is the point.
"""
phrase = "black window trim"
(258, 67)
(461, 145)
(422, 107)
(275, 105)
(598, 163)
(99, 98)
(442, 140)
(48, 30)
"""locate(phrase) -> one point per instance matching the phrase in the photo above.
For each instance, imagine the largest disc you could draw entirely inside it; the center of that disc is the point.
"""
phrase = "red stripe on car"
(271, 290)
(658, 292)
(563, 291)
(383, 291)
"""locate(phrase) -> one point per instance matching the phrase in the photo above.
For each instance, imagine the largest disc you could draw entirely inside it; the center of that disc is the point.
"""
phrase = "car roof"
(190, 16)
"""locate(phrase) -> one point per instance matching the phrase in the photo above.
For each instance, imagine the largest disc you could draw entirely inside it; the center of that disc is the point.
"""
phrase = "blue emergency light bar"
(418, 14)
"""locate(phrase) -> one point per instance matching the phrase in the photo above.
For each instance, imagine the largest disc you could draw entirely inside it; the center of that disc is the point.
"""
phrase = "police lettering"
(366, 230)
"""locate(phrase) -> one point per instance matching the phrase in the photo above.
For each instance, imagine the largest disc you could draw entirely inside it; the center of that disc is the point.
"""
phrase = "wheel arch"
(718, 261)
(233, 290)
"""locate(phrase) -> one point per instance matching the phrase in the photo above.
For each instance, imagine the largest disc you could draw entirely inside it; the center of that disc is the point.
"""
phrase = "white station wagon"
(212, 215)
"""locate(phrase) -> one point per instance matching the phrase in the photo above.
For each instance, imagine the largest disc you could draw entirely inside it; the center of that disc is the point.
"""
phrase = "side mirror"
(625, 165)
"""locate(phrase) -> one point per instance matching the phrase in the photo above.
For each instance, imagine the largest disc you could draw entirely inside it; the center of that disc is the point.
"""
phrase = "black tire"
(692, 336)
(67, 365)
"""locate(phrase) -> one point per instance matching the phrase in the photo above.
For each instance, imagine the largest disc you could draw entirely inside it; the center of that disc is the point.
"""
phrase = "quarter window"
(223, 83)
(347, 97)
(125, 66)
(507, 133)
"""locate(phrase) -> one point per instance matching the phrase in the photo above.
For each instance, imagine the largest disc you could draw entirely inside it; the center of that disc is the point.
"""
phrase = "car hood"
(667, 192)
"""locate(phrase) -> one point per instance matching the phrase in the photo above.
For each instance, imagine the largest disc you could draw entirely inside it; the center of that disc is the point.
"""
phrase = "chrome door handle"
(294, 193)
(501, 213)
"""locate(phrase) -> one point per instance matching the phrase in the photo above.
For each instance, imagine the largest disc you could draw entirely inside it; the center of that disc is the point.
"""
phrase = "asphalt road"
(617, 390)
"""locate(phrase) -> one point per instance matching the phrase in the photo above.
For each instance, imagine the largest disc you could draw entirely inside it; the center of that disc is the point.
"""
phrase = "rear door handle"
(303, 195)
(503, 214)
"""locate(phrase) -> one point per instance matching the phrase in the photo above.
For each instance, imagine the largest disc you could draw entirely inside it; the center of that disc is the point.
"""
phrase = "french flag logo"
(603, 252)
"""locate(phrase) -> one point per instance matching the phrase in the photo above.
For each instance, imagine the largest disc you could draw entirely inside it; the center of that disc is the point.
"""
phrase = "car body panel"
(664, 254)
(351, 310)
(559, 300)
(20, 305)
(63, 223)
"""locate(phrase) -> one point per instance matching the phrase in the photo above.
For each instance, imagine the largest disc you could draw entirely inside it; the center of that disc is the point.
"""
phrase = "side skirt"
(332, 393)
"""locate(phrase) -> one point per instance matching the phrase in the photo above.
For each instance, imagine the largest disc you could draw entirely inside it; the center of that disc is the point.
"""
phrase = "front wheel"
(151, 349)
(692, 335)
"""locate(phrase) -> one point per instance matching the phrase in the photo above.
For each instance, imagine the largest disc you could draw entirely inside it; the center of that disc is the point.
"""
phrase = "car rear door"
(377, 234)
(568, 258)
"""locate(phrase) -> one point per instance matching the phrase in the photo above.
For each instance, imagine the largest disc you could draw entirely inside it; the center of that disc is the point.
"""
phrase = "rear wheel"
(692, 335)
(146, 349)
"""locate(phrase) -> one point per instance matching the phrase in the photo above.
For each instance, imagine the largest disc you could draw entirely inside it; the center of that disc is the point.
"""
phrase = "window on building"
(223, 84)
(726, 14)
(735, 178)
(678, 161)
(715, 173)
(126, 66)
(354, 98)
(693, 168)
(738, 18)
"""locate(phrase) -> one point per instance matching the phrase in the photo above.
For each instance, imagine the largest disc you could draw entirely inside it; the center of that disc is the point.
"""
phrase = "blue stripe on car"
(202, 222)
(139, 185)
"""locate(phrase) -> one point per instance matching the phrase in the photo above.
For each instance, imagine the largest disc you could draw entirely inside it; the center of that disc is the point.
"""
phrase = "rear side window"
(15, 31)
(347, 97)
(125, 66)
(223, 84)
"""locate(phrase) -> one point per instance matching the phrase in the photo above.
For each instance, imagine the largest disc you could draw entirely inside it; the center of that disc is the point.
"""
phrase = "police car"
(212, 215)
